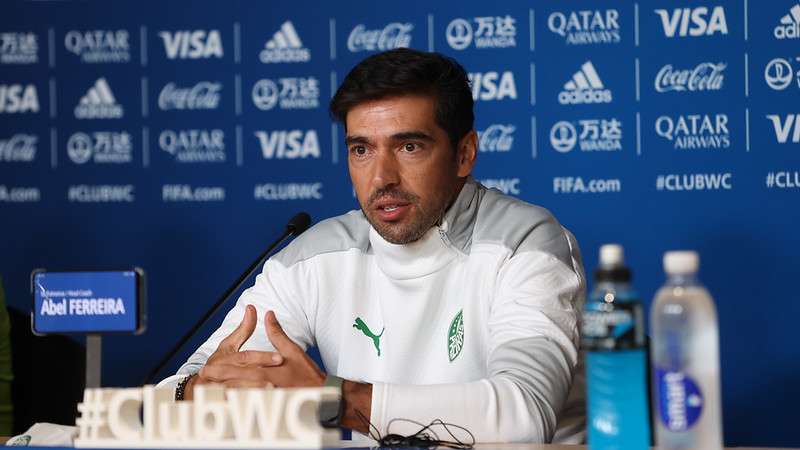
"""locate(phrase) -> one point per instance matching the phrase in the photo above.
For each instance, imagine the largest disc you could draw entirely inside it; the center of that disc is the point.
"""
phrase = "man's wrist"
(357, 398)
(188, 388)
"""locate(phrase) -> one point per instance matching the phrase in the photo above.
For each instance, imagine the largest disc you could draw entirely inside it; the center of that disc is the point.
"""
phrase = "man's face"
(403, 168)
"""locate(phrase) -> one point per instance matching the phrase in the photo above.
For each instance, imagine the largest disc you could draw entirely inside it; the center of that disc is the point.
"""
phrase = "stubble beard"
(400, 233)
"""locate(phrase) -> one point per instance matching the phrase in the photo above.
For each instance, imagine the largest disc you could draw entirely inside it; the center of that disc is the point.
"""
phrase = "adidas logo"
(789, 27)
(285, 46)
(584, 87)
(98, 103)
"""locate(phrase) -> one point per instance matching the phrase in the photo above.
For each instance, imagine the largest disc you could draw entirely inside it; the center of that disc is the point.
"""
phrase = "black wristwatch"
(330, 412)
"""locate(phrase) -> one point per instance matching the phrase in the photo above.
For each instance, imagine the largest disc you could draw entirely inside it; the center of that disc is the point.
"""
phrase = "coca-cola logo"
(203, 95)
(705, 77)
(497, 138)
(18, 148)
(393, 35)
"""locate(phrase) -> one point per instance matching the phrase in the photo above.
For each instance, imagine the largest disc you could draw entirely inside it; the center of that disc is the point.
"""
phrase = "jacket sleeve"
(533, 355)
(271, 291)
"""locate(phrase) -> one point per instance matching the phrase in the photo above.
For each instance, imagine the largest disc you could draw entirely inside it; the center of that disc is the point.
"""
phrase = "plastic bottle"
(616, 360)
(685, 357)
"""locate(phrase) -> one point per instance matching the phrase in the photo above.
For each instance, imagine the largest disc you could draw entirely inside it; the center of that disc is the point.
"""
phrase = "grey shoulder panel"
(340, 233)
(519, 226)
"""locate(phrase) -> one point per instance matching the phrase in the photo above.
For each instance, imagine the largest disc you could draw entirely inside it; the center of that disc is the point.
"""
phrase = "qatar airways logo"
(496, 138)
(586, 26)
(695, 131)
(393, 35)
(703, 77)
(193, 145)
(203, 95)
(99, 46)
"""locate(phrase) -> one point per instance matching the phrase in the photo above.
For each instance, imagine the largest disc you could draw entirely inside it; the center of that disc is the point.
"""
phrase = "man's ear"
(467, 152)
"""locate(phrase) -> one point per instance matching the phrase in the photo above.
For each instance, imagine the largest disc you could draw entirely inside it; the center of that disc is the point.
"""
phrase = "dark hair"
(404, 71)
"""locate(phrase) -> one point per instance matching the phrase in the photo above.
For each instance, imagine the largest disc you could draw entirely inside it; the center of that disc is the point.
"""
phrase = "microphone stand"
(292, 228)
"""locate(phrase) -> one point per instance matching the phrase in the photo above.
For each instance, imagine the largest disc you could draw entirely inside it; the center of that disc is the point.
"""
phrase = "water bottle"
(616, 361)
(685, 338)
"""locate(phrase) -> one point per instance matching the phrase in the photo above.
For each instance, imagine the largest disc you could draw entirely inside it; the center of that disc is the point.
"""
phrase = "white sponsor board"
(99, 46)
(391, 36)
(19, 48)
(482, 32)
(586, 27)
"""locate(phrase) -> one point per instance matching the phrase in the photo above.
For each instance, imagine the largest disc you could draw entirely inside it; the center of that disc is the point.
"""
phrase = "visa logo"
(290, 144)
(192, 44)
(16, 98)
(693, 21)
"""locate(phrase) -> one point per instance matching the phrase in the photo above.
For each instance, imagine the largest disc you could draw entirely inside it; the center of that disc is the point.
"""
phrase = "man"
(438, 299)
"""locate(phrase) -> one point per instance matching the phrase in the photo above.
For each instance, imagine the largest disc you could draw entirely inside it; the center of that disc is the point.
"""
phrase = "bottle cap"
(612, 265)
(611, 255)
(681, 262)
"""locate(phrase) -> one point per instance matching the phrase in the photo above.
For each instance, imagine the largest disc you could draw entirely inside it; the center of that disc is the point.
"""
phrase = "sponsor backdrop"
(179, 137)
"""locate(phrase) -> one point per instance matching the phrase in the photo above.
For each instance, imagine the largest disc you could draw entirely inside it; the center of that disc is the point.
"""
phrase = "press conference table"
(495, 447)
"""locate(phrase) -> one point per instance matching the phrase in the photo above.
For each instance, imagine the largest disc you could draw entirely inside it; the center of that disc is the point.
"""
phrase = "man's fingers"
(247, 384)
(242, 333)
(275, 334)
(251, 358)
(221, 373)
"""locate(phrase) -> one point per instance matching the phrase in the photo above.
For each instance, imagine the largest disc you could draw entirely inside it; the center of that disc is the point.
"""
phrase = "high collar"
(439, 246)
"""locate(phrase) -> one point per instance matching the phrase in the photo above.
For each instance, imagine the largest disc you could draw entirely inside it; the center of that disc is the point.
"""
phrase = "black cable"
(425, 437)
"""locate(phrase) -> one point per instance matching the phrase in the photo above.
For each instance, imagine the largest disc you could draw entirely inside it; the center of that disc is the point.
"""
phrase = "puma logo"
(376, 339)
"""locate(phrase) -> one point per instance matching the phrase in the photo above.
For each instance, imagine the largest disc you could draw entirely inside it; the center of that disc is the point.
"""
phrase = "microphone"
(296, 225)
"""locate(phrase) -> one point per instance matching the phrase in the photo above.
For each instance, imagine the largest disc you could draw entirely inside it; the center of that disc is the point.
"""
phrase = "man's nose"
(385, 171)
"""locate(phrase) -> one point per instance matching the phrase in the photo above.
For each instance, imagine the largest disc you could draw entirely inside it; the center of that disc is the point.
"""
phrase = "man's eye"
(410, 147)
(359, 150)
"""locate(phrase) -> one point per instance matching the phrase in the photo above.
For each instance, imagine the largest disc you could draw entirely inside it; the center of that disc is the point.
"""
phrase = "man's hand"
(288, 367)
(227, 359)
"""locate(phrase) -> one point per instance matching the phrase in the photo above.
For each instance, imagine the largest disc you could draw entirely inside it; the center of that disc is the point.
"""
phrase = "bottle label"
(680, 401)
(612, 326)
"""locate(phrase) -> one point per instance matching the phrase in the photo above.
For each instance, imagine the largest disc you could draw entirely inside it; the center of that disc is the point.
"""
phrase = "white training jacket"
(476, 323)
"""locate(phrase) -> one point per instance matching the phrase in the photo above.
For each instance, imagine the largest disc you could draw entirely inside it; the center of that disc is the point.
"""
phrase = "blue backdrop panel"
(179, 137)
